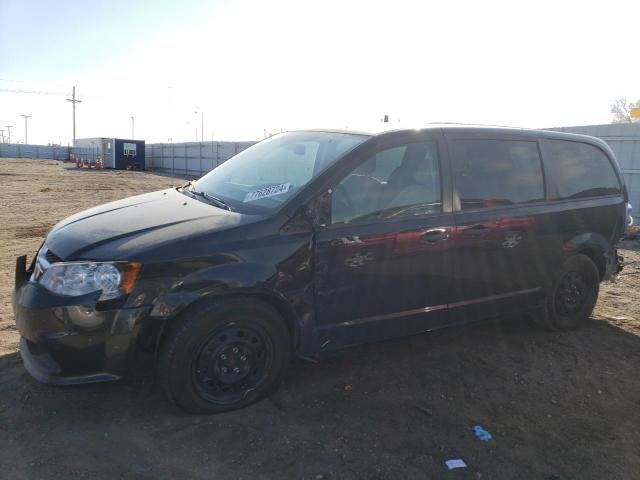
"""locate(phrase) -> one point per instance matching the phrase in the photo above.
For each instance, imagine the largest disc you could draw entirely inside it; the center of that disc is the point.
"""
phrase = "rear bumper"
(69, 340)
(614, 264)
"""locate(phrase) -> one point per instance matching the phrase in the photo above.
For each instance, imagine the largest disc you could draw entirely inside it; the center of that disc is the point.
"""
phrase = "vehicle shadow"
(395, 408)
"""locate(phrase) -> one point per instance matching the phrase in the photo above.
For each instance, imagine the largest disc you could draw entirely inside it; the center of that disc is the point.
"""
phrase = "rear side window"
(489, 173)
(579, 170)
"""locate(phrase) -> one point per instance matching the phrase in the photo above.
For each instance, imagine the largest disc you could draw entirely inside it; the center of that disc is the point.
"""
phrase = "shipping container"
(117, 153)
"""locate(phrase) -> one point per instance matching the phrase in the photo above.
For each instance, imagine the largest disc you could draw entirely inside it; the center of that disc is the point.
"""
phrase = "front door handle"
(435, 235)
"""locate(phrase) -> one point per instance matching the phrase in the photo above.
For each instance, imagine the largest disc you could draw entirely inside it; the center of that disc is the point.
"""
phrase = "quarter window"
(489, 173)
(579, 170)
(398, 182)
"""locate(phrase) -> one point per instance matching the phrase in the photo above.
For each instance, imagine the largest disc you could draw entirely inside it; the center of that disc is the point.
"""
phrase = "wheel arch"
(597, 256)
(592, 245)
(281, 305)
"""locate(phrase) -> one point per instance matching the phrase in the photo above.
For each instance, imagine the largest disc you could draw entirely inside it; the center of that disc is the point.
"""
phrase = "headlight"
(73, 279)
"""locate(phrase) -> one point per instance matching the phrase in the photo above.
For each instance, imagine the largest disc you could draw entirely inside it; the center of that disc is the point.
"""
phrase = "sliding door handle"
(476, 231)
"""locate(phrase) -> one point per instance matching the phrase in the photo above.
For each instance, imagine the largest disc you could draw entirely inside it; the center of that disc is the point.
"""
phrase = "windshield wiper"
(215, 200)
(210, 198)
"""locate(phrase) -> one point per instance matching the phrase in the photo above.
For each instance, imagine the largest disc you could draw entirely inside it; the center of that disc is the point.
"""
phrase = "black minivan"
(311, 241)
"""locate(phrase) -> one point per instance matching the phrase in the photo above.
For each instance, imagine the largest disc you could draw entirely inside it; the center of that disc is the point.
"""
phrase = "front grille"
(52, 257)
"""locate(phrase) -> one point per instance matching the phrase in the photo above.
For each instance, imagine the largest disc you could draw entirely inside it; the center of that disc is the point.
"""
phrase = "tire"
(572, 295)
(224, 355)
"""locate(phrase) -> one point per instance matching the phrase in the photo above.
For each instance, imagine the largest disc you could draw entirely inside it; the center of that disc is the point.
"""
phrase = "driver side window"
(398, 182)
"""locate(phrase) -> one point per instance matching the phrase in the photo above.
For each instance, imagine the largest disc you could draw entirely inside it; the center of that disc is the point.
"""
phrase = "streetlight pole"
(201, 124)
(74, 101)
(26, 117)
(9, 127)
(133, 123)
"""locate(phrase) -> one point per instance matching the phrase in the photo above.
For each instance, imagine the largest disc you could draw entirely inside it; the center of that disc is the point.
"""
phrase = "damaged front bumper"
(72, 340)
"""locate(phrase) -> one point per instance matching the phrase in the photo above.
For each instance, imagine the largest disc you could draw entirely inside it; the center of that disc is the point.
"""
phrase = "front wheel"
(573, 294)
(224, 355)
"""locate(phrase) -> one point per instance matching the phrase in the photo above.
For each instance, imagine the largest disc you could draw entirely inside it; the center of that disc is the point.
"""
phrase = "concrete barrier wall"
(192, 159)
(20, 150)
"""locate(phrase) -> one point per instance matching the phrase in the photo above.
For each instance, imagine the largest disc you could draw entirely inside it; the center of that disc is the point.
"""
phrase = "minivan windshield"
(267, 174)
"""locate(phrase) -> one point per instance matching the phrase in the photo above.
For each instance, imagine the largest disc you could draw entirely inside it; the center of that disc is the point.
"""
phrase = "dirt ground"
(559, 405)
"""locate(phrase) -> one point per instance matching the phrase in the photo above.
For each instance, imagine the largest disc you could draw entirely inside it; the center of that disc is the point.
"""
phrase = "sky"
(246, 67)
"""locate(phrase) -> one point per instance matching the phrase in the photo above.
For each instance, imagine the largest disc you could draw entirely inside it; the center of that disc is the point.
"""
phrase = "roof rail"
(473, 124)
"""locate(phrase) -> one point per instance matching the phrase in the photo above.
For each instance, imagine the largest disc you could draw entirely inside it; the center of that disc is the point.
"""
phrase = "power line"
(15, 81)
(31, 92)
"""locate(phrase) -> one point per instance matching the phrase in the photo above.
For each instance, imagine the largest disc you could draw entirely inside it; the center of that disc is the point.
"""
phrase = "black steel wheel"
(573, 294)
(224, 355)
(232, 363)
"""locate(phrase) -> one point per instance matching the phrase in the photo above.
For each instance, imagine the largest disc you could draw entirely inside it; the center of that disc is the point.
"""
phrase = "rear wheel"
(573, 294)
(224, 355)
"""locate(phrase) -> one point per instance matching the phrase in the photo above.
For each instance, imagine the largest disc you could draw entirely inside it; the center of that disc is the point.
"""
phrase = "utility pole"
(74, 101)
(25, 127)
(1, 135)
(133, 123)
(9, 127)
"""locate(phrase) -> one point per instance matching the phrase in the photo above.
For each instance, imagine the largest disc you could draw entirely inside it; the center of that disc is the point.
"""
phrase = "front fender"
(236, 279)
(286, 285)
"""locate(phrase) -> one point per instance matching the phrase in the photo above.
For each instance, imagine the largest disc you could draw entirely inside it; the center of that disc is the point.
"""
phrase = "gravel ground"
(559, 405)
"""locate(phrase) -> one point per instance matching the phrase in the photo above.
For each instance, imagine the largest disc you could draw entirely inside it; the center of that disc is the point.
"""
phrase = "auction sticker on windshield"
(267, 192)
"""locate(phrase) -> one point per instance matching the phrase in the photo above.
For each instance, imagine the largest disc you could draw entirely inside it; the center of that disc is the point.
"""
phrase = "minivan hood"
(136, 222)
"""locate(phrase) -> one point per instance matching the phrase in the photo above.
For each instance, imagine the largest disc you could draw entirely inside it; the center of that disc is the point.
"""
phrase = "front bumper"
(71, 340)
